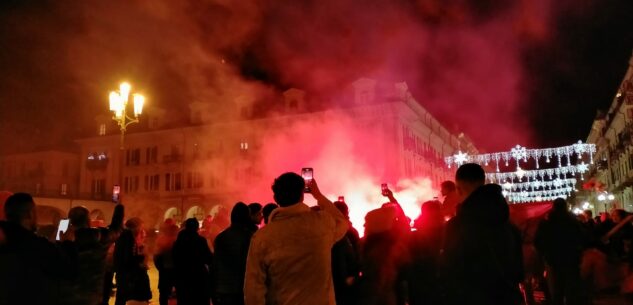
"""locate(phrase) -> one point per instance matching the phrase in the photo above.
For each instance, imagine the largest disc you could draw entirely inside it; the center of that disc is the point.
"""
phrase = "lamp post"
(118, 105)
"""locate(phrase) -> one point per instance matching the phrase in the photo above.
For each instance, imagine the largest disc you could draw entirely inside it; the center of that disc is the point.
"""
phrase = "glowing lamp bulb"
(139, 101)
(115, 101)
(601, 197)
(610, 197)
(125, 91)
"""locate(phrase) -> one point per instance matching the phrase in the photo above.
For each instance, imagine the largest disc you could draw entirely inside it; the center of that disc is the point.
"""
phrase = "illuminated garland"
(538, 184)
(520, 199)
(534, 185)
(542, 174)
(518, 154)
(546, 193)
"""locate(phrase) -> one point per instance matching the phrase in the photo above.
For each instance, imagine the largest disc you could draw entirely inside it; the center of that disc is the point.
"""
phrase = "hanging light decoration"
(519, 153)
(520, 185)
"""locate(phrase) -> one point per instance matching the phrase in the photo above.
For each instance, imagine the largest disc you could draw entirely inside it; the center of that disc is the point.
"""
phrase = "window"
(126, 184)
(154, 154)
(173, 182)
(178, 182)
(244, 146)
(64, 189)
(194, 180)
(102, 129)
(151, 155)
(98, 188)
(146, 184)
(198, 180)
(135, 157)
(154, 183)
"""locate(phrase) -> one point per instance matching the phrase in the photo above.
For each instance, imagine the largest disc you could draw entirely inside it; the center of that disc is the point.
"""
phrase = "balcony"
(97, 164)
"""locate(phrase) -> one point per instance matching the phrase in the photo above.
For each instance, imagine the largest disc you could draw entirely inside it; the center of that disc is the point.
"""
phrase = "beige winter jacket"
(289, 260)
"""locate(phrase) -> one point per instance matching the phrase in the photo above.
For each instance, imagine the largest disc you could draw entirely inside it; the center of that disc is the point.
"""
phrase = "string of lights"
(519, 154)
(538, 184)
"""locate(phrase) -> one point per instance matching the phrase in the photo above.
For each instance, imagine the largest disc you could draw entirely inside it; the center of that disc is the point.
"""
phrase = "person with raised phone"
(289, 260)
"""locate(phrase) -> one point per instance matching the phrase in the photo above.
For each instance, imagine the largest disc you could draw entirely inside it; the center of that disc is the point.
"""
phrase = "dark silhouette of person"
(345, 265)
(620, 241)
(267, 210)
(352, 234)
(560, 239)
(192, 259)
(229, 259)
(110, 235)
(482, 257)
(31, 267)
(130, 264)
(290, 259)
(383, 257)
(92, 245)
(425, 245)
(164, 260)
(257, 215)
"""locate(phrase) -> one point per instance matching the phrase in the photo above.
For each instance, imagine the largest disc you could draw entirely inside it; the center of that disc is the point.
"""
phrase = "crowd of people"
(465, 250)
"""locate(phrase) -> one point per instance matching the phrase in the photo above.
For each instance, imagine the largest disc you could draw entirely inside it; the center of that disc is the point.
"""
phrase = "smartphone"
(308, 174)
(384, 189)
(63, 226)
(341, 198)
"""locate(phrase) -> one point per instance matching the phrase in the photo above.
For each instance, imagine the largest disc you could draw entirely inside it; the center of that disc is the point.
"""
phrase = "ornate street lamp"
(118, 105)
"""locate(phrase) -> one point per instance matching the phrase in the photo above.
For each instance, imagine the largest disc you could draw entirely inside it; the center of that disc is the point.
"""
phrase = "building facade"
(45, 173)
(193, 171)
(612, 132)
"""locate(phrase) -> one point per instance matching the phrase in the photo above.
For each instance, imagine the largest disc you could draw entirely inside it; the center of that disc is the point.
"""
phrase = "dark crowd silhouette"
(464, 250)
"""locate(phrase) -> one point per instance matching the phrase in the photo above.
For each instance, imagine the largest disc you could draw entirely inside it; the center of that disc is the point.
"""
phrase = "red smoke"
(349, 158)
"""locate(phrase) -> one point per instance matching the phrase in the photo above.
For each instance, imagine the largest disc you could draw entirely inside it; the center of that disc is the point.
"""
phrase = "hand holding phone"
(62, 228)
(385, 190)
(308, 176)
(315, 191)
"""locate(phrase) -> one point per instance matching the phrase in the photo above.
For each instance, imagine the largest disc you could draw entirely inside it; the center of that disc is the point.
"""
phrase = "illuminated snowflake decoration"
(461, 158)
(583, 167)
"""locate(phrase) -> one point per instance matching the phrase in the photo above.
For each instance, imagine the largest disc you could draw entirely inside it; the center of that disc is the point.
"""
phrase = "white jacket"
(289, 260)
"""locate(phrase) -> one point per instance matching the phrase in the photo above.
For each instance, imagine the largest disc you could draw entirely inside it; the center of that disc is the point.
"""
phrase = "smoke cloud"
(464, 61)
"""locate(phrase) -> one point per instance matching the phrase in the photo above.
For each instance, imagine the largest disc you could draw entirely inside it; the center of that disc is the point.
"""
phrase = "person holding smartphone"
(289, 260)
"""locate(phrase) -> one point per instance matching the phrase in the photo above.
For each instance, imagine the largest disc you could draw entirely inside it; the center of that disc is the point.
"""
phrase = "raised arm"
(341, 224)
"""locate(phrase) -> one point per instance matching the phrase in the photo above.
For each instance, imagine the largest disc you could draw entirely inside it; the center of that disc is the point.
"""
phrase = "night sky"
(531, 72)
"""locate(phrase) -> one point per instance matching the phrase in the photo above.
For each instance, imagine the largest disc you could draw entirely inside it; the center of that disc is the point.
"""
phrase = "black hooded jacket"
(482, 259)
